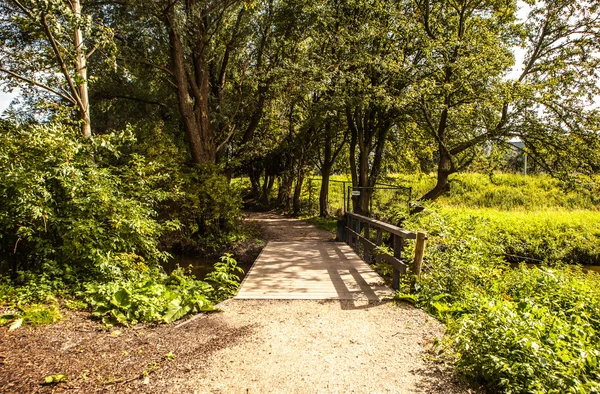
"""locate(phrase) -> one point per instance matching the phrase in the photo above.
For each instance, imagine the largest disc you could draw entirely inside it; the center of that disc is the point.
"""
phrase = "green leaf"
(121, 299)
(57, 378)
(176, 310)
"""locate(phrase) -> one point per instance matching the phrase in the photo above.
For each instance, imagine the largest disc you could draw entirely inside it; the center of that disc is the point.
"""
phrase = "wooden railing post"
(378, 240)
(419, 252)
(357, 239)
(398, 244)
(367, 256)
(349, 225)
(354, 225)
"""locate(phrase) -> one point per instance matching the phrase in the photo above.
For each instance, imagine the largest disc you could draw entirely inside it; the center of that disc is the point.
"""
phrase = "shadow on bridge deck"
(312, 270)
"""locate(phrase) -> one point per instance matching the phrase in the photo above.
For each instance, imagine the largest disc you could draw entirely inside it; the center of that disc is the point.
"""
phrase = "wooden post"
(398, 242)
(356, 239)
(349, 226)
(378, 240)
(367, 256)
(419, 252)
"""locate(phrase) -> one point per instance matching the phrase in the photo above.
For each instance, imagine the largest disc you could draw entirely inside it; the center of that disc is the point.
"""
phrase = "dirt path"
(304, 346)
(280, 228)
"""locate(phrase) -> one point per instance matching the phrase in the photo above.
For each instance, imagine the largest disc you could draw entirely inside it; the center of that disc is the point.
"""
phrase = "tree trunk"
(285, 191)
(271, 182)
(324, 193)
(443, 185)
(255, 181)
(193, 108)
(265, 189)
(298, 193)
(81, 64)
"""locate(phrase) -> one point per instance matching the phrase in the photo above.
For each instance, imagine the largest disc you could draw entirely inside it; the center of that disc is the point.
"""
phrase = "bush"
(151, 298)
(65, 204)
(515, 330)
(539, 332)
(154, 297)
(207, 207)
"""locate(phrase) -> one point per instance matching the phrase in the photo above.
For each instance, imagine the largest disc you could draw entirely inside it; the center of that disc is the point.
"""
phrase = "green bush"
(154, 297)
(224, 277)
(537, 332)
(514, 330)
(151, 298)
(207, 206)
(68, 203)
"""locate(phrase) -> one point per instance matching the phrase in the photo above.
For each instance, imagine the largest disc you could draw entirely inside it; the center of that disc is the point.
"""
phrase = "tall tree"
(468, 51)
(47, 44)
(470, 98)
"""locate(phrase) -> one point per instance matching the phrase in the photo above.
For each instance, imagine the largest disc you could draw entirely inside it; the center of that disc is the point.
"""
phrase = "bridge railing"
(357, 230)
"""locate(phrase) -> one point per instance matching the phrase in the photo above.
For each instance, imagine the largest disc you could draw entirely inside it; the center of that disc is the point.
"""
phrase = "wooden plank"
(398, 245)
(312, 270)
(394, 262)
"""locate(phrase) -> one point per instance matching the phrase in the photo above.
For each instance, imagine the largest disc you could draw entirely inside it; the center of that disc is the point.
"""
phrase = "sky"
(5, 99)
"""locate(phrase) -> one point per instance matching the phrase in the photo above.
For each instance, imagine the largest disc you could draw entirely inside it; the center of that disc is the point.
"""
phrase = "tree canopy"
(280, 89)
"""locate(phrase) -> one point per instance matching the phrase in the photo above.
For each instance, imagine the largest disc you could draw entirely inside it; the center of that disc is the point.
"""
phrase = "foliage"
(503, 191)
(537, 331)
(62, 211)
(152, 297)
(155, 297)
(207, 207)
(225, 278)
(32, 315)
(517, 330)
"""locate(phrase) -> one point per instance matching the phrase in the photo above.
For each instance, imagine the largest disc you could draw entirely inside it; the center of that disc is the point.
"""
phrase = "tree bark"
(81, 64)
(285, 191)
(442, 185)
(324, 193)
(192, 90)
(298, 192)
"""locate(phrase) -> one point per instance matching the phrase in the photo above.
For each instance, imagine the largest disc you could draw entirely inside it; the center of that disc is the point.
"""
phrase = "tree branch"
(41, 85)
(61, 62)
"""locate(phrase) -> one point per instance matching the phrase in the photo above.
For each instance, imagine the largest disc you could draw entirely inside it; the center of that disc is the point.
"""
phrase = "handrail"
(385, 226)
(351, 233)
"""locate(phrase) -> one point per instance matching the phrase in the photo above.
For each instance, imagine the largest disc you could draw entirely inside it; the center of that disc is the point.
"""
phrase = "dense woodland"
(142, 127)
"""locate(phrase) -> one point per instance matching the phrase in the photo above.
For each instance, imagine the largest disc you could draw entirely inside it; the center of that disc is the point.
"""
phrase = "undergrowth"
(513, 330)
(151, 296)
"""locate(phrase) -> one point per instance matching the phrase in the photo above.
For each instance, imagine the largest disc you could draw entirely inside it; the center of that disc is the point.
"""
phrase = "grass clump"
(37, 315)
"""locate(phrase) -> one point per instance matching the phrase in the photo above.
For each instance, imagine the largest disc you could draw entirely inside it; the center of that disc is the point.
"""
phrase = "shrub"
(154, 297)
(151, 298)
(541, 335)
(66, 205)
(206, 205)
(519, 330)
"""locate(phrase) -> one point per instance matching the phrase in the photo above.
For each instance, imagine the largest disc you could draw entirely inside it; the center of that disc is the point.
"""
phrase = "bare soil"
(251, 346)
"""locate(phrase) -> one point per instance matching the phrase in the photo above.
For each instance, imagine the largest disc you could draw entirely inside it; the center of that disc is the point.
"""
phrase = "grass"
(328, 224)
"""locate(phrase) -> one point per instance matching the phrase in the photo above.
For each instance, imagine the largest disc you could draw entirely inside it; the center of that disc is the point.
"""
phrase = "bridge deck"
(312, 270)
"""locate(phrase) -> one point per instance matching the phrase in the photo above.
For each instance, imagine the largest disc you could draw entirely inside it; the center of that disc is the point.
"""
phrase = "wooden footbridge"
(332, 270)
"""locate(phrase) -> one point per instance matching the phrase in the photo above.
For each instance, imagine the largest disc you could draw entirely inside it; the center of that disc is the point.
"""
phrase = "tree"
(47, 45)
(553, 109)
(467, 47)
(468, 99)
(380, 67)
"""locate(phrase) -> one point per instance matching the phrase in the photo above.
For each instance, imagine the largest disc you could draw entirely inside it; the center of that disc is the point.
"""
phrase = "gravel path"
(304, 346)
